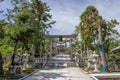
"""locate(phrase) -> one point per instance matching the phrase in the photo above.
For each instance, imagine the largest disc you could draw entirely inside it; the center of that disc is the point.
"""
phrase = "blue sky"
(66, 12)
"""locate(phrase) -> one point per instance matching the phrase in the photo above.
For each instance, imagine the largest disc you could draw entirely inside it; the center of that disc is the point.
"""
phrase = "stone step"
(15, 77)
(71, 64)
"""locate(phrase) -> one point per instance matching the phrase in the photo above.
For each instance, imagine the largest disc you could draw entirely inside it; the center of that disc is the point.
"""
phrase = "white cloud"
(67, 14)
(66, 19)
(65, 22)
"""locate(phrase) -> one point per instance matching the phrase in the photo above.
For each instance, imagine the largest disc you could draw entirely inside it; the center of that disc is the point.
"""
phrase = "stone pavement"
(60, 72)
(113, 75)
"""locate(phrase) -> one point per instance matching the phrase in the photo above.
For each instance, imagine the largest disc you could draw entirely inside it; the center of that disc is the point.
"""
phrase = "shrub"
(27, 71)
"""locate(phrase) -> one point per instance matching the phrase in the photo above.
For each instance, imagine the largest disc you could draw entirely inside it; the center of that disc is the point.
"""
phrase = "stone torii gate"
(69, 38)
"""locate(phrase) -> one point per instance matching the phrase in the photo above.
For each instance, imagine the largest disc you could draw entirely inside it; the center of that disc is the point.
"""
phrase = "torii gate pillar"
(71, 50)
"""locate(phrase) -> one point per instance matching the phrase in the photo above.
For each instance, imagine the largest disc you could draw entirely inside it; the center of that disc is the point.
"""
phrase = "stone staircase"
(61, 61)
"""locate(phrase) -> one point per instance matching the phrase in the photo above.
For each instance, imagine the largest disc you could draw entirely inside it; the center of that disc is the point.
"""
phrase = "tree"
(88, 27)
(27, 24)
(42, 16)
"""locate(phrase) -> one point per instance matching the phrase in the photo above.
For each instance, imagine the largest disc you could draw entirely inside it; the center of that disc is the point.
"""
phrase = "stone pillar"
(65, 47)
(71, 55)
(56, 48)
(65, 44)
(25, 60)
(51, 50)
(88, 52)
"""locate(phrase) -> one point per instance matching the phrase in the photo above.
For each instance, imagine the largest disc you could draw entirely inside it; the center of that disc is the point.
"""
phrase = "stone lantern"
(89, 60)
(95, 61)
(77, 56)
(16, 60)
(25, 60)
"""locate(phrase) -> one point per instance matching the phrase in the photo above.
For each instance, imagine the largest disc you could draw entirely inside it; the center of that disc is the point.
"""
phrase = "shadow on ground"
(51, 76)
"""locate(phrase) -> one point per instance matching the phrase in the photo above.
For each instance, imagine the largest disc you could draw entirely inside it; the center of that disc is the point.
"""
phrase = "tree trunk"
(14, 51)
(102, 53)
(85, 48)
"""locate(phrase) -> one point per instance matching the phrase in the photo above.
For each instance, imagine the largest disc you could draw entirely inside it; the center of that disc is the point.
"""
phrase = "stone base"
(96, 71)
(14, 70)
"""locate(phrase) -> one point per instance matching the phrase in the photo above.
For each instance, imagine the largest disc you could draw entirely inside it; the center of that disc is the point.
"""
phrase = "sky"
(67, 13)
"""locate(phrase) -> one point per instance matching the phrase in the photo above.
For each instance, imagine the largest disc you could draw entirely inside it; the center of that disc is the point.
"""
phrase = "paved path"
(114, 75)
(60, 72)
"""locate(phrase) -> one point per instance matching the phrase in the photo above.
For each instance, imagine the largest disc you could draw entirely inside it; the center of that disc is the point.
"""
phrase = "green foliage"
(6, 50)
(76, 46)
(2, 24)
(114, 62)
(28, 24)
(5, 67)
(42, 16)
(89, 24)
(115, 57)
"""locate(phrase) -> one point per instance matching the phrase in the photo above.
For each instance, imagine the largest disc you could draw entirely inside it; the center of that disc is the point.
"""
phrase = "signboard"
(101, 47)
